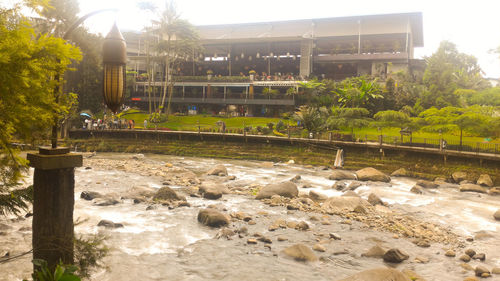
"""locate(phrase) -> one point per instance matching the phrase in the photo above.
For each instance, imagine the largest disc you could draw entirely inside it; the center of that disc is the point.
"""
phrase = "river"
(162, 243)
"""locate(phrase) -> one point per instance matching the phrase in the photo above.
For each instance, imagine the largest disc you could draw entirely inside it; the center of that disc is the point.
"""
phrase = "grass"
(190, 123)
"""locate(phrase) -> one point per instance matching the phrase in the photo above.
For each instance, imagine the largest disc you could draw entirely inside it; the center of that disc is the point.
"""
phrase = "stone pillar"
(53, 200)
(306, 51)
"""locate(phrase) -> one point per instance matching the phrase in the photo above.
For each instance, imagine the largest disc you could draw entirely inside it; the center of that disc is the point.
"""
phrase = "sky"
(474, 26)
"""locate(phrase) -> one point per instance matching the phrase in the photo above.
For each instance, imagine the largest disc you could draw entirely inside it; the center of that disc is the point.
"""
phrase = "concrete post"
(53, 200)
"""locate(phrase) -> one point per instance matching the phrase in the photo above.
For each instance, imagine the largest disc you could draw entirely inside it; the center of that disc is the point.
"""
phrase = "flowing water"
(169, 244)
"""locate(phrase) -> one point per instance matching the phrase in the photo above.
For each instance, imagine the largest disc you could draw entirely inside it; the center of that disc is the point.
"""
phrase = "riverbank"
(417, 165)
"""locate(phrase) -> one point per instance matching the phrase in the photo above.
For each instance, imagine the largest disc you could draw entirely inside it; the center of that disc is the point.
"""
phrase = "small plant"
(259, 129)
(61, 273)
(270, 125)
(280, 125)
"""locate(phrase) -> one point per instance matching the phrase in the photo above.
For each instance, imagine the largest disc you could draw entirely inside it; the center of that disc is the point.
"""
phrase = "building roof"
(316, 28)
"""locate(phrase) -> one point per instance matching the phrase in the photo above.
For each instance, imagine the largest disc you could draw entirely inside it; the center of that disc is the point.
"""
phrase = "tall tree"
(448, 70)
(179, 42)
(28, 103)
(348, 118)
(313, 119)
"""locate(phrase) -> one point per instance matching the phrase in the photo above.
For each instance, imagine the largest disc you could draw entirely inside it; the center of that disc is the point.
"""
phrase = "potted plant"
(209, 74)
(252, 74)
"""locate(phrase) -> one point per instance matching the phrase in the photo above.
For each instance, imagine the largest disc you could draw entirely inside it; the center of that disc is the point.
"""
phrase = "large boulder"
(372, 174)
(341, 175)
(496, 215)
(339, 205)
(485, 180)
(212, 218)
(401, 172)
(459, 176)
(105, 201)
(168, 194)
(494, 191)
(219, 170)
(300, 252)
(374, 252)
(378, 274)
(285, 189)
(109, 224)
(395, 256)
(374, 199)
(472, 188)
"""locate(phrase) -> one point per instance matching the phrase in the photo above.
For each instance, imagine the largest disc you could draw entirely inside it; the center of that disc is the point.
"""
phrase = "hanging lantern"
(257, 55)
(114, 58)
(250, 58)
(242, 55)
(287, 54)
(271, 54)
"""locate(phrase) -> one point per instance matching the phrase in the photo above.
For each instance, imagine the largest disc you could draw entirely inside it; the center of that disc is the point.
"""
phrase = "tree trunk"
(167, 72)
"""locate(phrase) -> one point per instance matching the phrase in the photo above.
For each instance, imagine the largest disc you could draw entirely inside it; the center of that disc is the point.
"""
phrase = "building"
(253, 68)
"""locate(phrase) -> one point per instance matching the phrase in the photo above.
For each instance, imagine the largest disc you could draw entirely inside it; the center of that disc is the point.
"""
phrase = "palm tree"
(178, 43)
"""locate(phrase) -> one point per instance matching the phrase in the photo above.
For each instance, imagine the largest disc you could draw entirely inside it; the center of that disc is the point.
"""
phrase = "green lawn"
(190, 123)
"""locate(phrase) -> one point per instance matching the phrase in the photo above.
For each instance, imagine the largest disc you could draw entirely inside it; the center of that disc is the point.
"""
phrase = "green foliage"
(313, 119)
(448, 70)
(13, 200)
(61, 273)
(89, 252)
(358, 92)
(391, 118)
(348, 118)
(29, 63)
(488, 97)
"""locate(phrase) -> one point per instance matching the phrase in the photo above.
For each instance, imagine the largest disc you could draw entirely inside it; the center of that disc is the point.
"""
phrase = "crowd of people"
(108, 124)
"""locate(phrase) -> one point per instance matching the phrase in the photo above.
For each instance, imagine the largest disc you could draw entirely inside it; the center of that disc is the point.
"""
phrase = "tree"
(358, 92)
(178, 43)
(313, 119)
(348, 118)
(28, 103)
(391, 118)
(448, 70)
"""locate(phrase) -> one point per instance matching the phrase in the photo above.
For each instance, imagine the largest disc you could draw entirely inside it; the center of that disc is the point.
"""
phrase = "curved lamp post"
(54, 176)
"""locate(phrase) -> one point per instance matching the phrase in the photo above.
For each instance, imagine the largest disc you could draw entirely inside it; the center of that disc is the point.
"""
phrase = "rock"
(496, 215)
(212, 217)
(105, 201)
(285, 189)
(450, 253)
(360, 210)
(353, 185)
(459, 176)
(338, 205)
(291, 161)
(319, 248)
(467, 266)
(166, 193)
(265, 239)
(482, 235)
(212, 193)
(219, 170)
(472, 188)
(485, 180)
(421, 259)
(267, 164)
(417, 189)
(374, 252)
(109, 224)
(90, 195)
(465, 182)
(426, 184)
(423, 243)
(282, 238)
(464, 258)
(378, 274)
(395, 256)
(334, 236)
(495, 270)
(316, 196)
(252, 241)
(470, 252)
(231, 178)
(341, 175)
(350, 193)
(471, 278)
(300, 252)
(302, 225)
(480, 270)
(401, 172)
(372, 174)
(296, 178)
(138, 156)
(374, 200)
(480, 256)
(412, 275)
(339, 185)
(494, 191)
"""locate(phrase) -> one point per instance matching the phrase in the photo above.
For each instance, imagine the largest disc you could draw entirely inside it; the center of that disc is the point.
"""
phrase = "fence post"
(496, 148)
(330, 137)
(477, 147)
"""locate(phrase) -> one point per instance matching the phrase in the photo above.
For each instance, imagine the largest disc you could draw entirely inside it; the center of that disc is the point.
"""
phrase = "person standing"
(145, 123)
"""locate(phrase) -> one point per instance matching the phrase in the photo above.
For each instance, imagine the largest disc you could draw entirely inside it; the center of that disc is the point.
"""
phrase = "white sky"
(474, 26)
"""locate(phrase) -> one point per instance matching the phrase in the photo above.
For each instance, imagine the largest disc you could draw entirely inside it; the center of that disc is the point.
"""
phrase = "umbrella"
(85, 114)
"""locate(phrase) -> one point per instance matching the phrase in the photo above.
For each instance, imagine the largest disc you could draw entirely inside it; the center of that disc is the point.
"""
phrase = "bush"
(270, 125)
(266, 130)
(280, 125)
